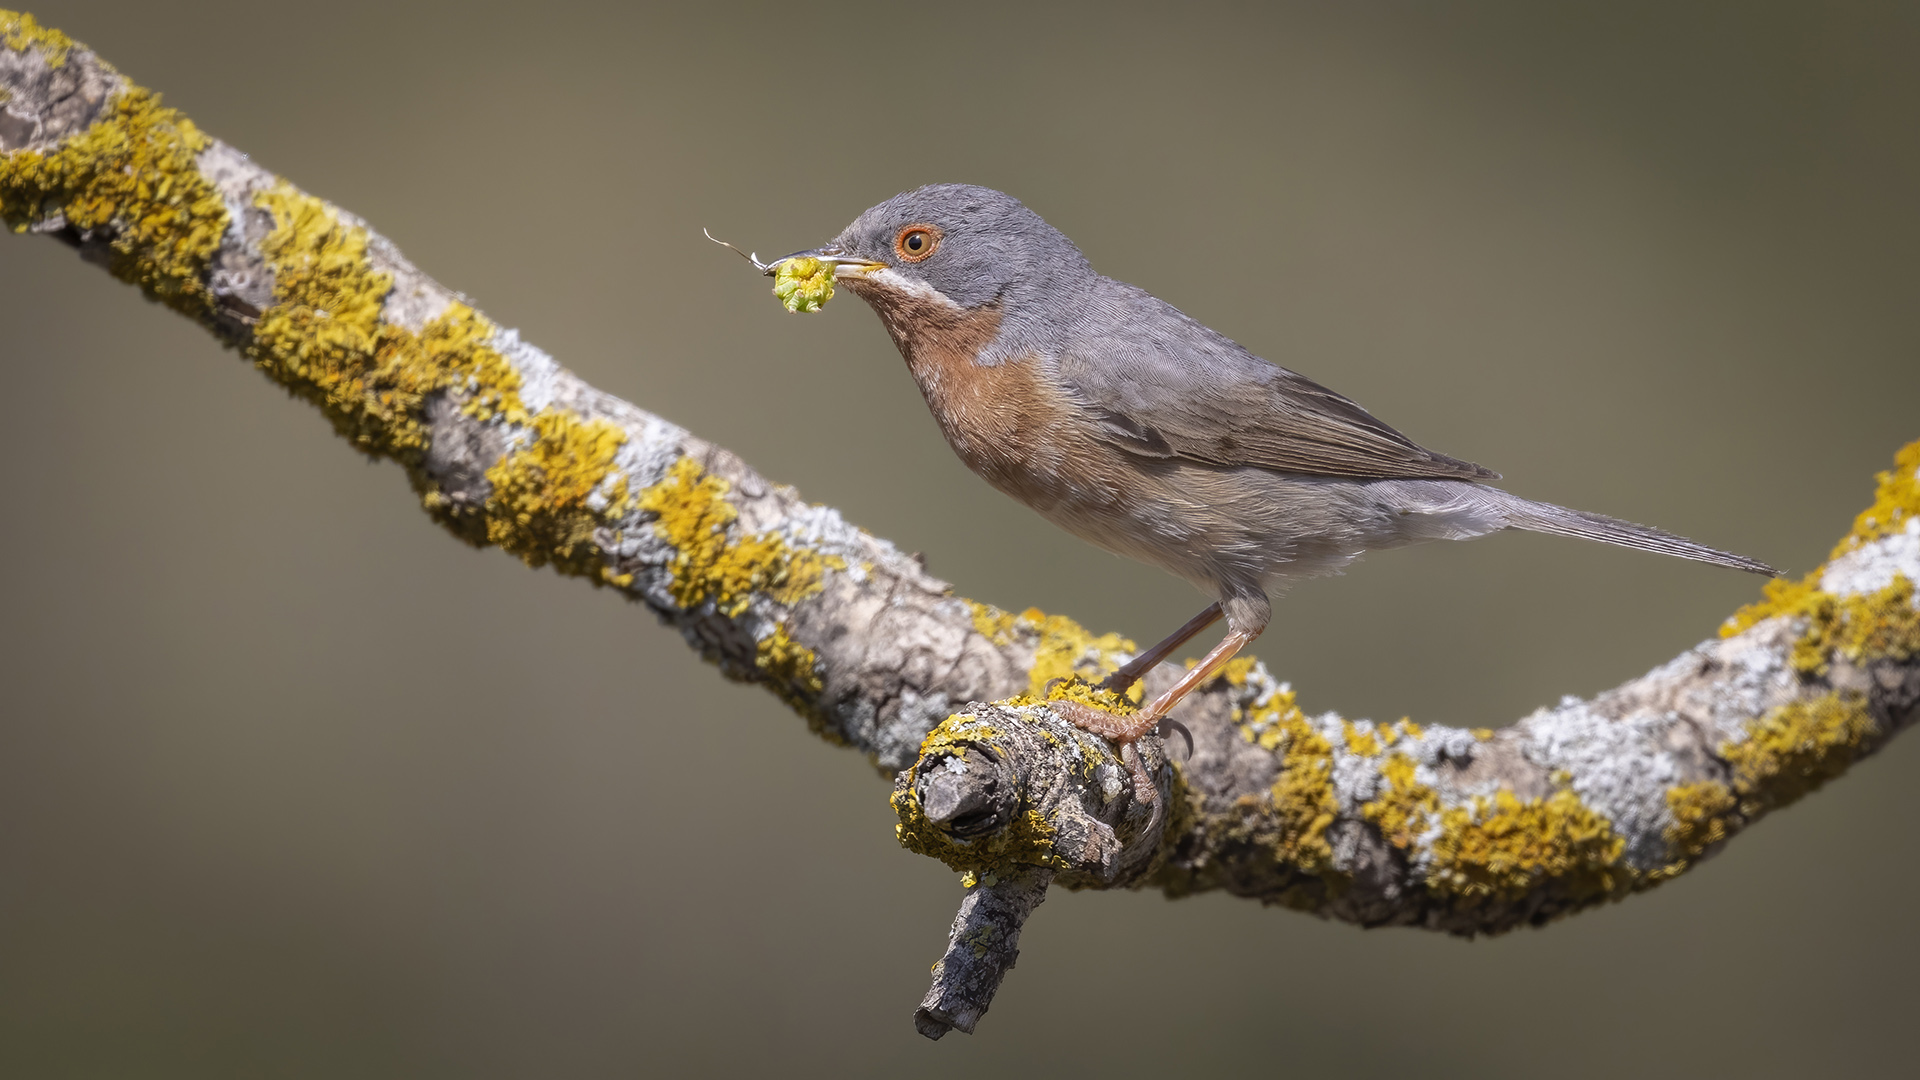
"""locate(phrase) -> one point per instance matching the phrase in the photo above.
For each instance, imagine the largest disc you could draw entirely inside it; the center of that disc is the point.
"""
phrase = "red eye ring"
(916, 242)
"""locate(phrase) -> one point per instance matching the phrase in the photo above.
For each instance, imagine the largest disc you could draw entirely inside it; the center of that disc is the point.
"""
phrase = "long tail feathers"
(1560, 521)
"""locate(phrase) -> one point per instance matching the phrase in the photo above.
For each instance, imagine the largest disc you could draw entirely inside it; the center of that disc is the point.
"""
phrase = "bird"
(1133, 426)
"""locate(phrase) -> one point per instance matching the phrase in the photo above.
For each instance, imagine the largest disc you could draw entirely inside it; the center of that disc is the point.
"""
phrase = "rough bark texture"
(981, 949)
(1467, 831)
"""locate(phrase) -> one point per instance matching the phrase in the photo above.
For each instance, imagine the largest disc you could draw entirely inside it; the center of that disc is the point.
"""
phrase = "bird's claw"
(1168, 725)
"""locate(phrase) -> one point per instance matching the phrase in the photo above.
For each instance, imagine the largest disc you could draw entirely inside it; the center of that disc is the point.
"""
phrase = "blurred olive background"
(294, 785)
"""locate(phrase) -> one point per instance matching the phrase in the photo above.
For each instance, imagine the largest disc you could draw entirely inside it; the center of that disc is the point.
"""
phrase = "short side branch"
(981, 949)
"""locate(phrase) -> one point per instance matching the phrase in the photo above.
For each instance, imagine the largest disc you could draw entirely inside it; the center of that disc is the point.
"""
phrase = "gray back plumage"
(1163, 385)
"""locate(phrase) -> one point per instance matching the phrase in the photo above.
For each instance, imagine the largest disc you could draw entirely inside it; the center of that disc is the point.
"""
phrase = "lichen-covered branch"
(505, 447)
(1471, 831)
(1468, 831)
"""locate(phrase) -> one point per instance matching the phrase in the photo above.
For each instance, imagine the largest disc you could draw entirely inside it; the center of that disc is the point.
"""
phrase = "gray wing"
(1165, 386)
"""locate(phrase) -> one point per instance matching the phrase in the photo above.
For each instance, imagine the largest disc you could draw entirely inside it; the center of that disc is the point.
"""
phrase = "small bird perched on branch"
(1132, 426)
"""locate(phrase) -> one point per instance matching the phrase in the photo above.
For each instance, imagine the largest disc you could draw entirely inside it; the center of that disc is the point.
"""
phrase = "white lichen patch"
(1759, 676)
(1455, 745)
(1356, 777)
(824, 531)
(611, 487)
(1872, 567)
(239, 277)
(415, 299)
(539, 372)
(897, 743)
(651, 447)
(1620, 767)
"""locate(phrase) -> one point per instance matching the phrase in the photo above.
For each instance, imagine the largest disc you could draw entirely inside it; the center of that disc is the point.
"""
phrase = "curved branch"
(1457, 830)
(505, 447)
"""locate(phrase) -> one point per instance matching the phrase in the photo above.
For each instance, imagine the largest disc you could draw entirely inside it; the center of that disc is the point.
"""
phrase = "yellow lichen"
(539, 507)
(792, 672)
(1062, 648)
(1065, 649)
(1857, 628)
(1403, 811)
(324, 338)
(1304, 802)
(693, 515)
(1236, 671)
(456, 347)
(19, 32)
(1265, 722)
(1503, 847)
(131, 179)
(709, 564)
(1078, 689)
(955, 734)
(1881, 625)
(1701, 817)
(996, 625)
(1796, 748)
(1360, 740)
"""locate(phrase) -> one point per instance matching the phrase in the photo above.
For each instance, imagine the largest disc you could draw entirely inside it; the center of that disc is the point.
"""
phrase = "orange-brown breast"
(1010, 422)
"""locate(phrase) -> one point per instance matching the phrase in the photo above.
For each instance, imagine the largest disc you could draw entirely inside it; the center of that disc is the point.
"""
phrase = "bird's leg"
(1126, 730)
(1130, 672)
(1149, 718)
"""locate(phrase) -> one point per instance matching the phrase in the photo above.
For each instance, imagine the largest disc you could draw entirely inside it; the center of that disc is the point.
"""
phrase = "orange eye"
(916, 242)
